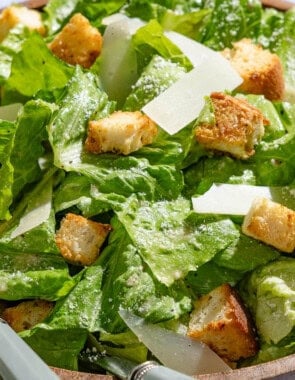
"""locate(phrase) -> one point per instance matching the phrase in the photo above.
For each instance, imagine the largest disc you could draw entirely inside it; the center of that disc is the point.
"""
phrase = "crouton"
(14, 15)
(220, 320)
(27, 314)
(78, 42)
(272, 223)
(79, 239)
(237, 128)
(261, 70)
(121, 132)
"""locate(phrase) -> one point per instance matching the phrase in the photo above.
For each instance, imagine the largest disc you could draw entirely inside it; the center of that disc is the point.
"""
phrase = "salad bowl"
(150, 262)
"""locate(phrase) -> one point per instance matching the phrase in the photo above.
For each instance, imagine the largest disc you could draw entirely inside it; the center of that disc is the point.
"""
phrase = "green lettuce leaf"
(109, 173)
(59, 348)
(209, 276)
(150, 40)
(269, 291)
(9, 47)
(171, 240)
(31, 131)
(32, 226)
(277, 34)
(58, 12)
(81, 307)
(31, 72)
(230, 21)
(7, 132)
(28, 275)
(158, 75)
(245, 254)
(130, 284)
(20, 166)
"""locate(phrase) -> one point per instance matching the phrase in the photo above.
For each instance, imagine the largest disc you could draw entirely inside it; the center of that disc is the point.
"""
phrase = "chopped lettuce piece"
(159, 74)
(32, 226)
(171, 240)
(7, 132)
(57, 347)
(269, 291)
(130, 284)
(52, 72)
(150, 40)
(28, 275)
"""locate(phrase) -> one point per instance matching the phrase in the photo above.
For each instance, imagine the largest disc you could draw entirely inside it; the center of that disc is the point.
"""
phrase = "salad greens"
(160, 255)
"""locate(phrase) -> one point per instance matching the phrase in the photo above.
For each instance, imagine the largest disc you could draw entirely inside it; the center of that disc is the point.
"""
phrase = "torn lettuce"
(32, 275)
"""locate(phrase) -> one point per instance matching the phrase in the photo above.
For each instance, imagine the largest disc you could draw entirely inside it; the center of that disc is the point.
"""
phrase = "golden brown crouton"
(121, 132)
(79, 239)
(272, 223)
(261, 70)
(27, 314)
(14, 15)
(78, 42)
(219, 319)
(238, 126)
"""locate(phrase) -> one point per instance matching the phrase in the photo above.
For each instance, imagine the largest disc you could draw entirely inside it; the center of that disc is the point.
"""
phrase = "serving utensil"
(17, 360)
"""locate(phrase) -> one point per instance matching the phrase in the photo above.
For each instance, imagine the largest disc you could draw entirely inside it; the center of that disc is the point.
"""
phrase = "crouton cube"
(27, 314)
(272, 223)
(79, 239)
(121, 132)
(14, 15)
(220, 320)
(78, 42)
(237, 128)
(261, 70)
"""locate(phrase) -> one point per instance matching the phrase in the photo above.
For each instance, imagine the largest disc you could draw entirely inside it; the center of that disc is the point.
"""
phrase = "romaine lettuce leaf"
(30, 132)
(20, 166)
(269, 291)
(28, 275)
(78, 191)
(9, 47)
(230, 21)
(81, 307)
(277, 34)
(158, 75)
(32, 226)
(7, 132)
(31, 72)
(130, 284)
(110, 173)
(59, 348)
(245, 254)
(209, 276)
(58, 12)
(125, 345)
(150, 40)
(170, 239)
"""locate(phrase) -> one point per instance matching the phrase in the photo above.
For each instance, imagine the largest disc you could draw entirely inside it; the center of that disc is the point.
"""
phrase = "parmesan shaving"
(229, 199)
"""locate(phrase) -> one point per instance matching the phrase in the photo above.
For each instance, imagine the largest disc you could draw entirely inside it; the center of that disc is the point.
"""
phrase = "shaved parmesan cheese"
(230, 199)
(195, 51)
(113, 18)
(118, 69)
(36, 215)
(10, 111)
(182, 102)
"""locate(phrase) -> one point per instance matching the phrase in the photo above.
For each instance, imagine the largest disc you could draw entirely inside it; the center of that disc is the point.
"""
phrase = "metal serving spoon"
(17, 360)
